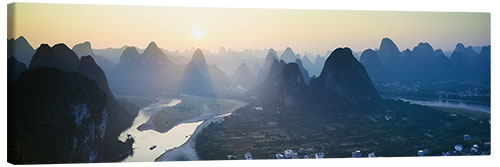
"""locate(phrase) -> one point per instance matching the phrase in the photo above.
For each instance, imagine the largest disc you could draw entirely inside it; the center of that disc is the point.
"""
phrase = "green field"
(341, 129)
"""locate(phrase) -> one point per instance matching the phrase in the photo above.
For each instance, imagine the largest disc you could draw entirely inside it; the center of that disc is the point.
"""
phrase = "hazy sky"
(174, 28)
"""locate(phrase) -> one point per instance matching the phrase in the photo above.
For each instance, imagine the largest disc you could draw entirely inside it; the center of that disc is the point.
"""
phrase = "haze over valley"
(295, 94)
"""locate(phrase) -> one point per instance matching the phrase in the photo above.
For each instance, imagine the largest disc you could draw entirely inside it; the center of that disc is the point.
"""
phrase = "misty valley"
(131, 104)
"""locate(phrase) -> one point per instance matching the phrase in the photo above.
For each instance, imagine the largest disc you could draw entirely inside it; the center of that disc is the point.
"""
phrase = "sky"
(179, 28)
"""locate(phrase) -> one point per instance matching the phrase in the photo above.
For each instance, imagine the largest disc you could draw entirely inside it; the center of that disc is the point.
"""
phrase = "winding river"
(177, 143)
(175, 137)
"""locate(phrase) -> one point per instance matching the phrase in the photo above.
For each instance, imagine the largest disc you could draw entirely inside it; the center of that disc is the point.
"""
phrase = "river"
(175, 137)
(448, 103)
(173, 140)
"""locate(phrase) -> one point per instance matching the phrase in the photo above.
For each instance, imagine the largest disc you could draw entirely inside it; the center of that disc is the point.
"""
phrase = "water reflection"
(163, 141)
(448, 103)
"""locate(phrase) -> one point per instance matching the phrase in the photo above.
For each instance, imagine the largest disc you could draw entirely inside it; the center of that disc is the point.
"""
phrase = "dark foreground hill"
(61, 110)
(56, 118)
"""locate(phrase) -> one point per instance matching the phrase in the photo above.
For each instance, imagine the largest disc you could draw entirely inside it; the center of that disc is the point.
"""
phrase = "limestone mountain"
(256, 68)
(148, 73)
(202, 79)
(307, 63)
(370, 59)
(305, 73)
(20, 49)
(14, 69)
(244, 77)
(65, 112)
(88, 67)
(485, 68)
(59, 56)
(268, 62)
(288, 55)
(129, 55)
(465, 61)
(344, 76)
(424, 63)
(388, 51)
(319, 62)
(76, 88)
(284, 85)
(85, 49)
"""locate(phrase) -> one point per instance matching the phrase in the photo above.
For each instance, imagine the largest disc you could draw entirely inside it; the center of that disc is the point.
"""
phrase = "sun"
(197, 34)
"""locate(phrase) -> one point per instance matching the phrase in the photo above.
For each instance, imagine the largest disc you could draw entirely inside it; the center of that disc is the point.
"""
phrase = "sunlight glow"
(197, 34)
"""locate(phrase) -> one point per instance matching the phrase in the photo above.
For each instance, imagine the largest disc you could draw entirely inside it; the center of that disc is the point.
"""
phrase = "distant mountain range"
(149, 72)
(65, 96)
(244, 78)
(343, 76)
(202, 79)
(425, 63)
(85, 49)
(153, 67)
(20, 49)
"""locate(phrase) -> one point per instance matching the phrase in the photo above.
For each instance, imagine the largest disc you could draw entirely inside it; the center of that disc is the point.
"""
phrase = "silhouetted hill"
(129, 55)
(307, 63)
(423, 63)
(344, 76)
(319, 62)
(58, 56)
(244, 77)
(202, 79)
(85, 49)
(294, 86)
(388, 51)
(14, 70)
(288, 55)
(56, 118)
(305, 73)
(148, 73)
(20, 49)
(268, 62)
(151, 57)
(87, 75)
(88, 67)
(270, 82)
(370, 59)
(465, 61)
(485, 68)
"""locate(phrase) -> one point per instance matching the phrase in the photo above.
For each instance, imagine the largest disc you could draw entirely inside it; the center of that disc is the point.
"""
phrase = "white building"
(467, 137)
(279, 156)
(474, 148)
(248, 156)
(371, 155)
(259, 108)
(459, 148)
(229, 157)
(421, 153)
(288, 154)
(319, 155)
(356, 154)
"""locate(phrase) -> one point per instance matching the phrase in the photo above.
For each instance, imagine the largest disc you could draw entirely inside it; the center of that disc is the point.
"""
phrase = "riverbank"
(181, 129)
(192, 109)
(187, 152)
